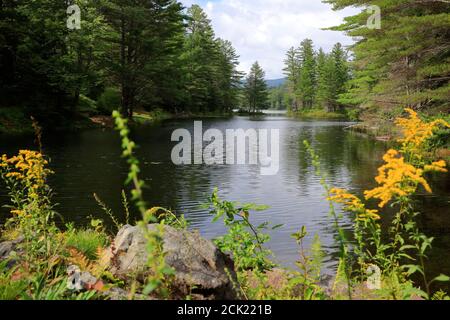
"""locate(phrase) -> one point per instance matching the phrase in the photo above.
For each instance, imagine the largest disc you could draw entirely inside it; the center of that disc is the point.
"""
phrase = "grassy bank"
(13, 121)
(319, 114)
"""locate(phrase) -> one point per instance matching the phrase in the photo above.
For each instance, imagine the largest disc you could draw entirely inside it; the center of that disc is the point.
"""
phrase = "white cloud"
(263, 30)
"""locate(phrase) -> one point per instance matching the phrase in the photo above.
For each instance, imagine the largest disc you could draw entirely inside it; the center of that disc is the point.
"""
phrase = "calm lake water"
(89, 162)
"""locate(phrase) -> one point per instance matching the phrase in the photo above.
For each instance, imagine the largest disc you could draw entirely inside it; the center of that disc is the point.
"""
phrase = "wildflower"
(353, 204)
(18, 212)
(29, 169)
(369, 215)
(415, 131)
(439, 166)
(396, 179)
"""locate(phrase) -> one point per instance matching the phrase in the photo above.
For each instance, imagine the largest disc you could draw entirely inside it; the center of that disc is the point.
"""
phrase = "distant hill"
(273, 83)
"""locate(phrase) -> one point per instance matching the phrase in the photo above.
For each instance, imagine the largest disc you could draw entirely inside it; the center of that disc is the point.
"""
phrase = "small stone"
(6, 248)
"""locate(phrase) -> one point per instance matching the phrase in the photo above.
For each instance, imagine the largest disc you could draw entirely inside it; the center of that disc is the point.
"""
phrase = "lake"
(89, 162)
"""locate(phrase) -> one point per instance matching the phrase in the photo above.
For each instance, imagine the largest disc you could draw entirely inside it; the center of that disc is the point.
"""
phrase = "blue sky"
(263, 30)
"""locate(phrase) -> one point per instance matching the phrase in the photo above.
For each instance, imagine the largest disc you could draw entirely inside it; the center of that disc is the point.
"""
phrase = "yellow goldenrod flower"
(396, 179)
(28, 168)
(353, 204)
(439, 166)
(415, 131)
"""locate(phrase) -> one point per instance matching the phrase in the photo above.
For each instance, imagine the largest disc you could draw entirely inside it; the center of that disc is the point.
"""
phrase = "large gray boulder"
(201, 270)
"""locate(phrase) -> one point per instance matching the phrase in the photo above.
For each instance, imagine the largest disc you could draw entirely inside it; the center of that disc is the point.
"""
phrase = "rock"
(200, 268)
(79, 281)
(9, 251)
(118, 294)
(6, 248)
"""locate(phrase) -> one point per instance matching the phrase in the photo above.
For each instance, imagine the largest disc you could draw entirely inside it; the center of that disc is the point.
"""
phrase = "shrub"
(109, 100)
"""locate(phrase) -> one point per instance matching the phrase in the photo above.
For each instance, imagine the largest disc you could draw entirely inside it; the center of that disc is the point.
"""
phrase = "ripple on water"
(90, 161)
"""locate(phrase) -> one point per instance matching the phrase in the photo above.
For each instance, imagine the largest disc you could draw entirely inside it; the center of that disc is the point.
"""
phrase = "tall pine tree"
(307, 81)
(256, 94)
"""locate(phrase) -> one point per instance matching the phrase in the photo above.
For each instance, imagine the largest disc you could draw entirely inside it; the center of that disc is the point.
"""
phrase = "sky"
(264, 30)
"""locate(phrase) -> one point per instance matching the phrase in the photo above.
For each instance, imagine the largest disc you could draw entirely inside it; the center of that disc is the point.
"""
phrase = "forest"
(155, 55)
(132, 55)
(94, 207)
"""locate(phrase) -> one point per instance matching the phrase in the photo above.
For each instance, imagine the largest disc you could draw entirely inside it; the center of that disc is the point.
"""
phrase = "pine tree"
(324, 73)
(43, 68)
(86, 50)
(201, 52)
(256, 93)
(147, 35)
(407, 61)
(213, 81)
(292, 71)
(230, 76)
(307, 80)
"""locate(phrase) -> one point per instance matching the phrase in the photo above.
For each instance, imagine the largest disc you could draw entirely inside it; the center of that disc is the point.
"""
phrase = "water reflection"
(90, 161)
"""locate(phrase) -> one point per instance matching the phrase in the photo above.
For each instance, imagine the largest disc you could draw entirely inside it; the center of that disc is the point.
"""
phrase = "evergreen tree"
(200, 54)
(151, 51)
(256, 93)
(86, 50)
(340, 73)
(230, 76)
(279, 96)
(333, 75)
(307, 80)
(406, 62)
(145, 33)
(213, 81)
(292, 72)
(324, 75)
(45, 66)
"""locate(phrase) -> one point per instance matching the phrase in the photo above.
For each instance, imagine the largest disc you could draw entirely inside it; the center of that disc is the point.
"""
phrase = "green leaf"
(412, 269)
(442, 278)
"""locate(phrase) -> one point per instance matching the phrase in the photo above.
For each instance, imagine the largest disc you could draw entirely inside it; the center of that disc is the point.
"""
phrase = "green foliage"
(127, 55)
(87, 105)
(255, 89)
(14, 120)
(307, 79)
(279, 98)
(244, 240)
(36, 286)
(9, 289)
(109, 100)
(86, 241)
(406, 62)
(316, 79)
